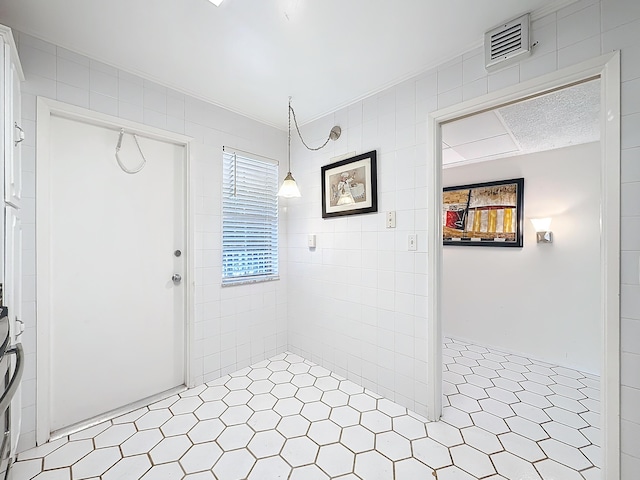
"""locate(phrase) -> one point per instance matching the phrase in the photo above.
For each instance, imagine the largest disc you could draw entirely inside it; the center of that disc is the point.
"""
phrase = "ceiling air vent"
(507, 43)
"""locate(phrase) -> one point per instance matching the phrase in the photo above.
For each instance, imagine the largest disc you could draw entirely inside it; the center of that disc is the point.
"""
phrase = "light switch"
(412, 244)
(391, 219)
(311, 240)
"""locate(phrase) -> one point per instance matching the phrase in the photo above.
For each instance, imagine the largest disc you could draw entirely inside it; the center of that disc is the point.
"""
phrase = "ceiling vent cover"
(507, 43)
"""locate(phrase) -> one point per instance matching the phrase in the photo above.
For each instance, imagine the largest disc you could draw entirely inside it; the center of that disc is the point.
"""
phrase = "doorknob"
(176, 279)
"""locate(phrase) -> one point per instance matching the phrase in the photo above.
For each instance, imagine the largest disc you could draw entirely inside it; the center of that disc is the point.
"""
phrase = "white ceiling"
(566, 117)
(247, 56)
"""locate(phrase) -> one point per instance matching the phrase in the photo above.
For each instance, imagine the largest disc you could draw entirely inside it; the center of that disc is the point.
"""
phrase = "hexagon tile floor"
(505, 417)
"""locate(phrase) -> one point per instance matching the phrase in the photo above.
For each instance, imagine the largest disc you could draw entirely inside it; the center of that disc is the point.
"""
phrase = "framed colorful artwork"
(483, 214)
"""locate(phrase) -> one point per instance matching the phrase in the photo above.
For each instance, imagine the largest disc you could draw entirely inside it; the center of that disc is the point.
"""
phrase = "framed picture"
(350, 186)
(483, 214)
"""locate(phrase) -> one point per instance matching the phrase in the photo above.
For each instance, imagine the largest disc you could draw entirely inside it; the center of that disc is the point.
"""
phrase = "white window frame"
(250, 237)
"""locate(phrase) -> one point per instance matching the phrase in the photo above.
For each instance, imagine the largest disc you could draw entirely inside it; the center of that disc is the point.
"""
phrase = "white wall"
(542, 300)
(234, 326)
(358, 303)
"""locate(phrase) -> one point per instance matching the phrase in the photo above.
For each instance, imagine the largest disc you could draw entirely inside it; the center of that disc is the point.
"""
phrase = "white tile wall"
(620, 22)
(353, 304)
(352, 319)
(235, 326)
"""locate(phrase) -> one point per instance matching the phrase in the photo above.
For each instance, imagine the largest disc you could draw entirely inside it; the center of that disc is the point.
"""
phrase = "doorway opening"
(606, 70)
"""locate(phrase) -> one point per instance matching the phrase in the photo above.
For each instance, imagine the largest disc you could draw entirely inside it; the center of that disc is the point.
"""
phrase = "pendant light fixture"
(289, 188)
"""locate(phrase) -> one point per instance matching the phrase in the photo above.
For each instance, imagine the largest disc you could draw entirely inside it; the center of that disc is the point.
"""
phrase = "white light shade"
(541, 224)
(216, 2)
(289, 188)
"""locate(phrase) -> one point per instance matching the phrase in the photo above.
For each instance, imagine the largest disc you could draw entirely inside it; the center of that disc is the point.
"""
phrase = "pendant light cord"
(289, 146)
(289, 188)
(295, 121)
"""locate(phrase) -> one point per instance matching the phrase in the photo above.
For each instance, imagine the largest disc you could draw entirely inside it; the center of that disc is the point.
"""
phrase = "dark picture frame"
(486, 214)
(350, 186)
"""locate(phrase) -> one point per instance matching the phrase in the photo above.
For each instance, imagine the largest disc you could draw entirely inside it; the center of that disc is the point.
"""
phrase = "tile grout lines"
(558, 414)
(292, 419)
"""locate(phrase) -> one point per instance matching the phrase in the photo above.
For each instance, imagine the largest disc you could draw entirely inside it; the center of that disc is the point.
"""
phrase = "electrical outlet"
(412, 245)
(391, 219)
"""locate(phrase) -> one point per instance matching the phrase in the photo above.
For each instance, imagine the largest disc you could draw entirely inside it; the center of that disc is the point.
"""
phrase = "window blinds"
(249, 219)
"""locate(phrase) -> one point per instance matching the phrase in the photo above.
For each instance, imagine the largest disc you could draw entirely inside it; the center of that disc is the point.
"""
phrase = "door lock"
(176, 278)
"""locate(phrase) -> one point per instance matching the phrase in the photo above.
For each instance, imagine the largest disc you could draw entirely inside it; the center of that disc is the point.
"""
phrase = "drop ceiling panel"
(450, 156)
(500, 145)
(569, 116)
(471, 129)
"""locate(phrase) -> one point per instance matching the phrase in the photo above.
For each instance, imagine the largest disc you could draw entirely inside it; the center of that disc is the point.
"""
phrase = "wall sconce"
(543, 232)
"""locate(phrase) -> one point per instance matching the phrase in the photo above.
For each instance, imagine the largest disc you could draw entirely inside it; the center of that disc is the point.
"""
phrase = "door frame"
(46, 108)
(607, 68)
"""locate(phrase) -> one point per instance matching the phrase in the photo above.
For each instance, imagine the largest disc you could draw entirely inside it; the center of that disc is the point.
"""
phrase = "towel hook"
(119, 145)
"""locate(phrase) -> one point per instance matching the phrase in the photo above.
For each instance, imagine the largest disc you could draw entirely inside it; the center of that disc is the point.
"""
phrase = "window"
(249, 219)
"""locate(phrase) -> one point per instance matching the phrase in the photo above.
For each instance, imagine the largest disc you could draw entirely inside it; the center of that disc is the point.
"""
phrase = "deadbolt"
(177, 253)
(176, 279)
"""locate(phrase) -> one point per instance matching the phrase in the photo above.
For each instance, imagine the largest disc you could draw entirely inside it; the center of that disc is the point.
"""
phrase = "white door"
(117, 329)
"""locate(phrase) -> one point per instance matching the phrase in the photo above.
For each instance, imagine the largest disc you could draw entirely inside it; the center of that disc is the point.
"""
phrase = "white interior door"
(117, 328)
